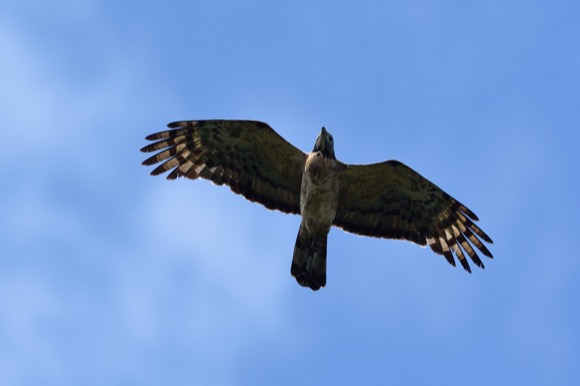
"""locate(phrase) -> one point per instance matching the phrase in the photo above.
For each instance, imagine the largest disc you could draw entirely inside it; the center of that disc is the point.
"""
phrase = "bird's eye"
(330, 138)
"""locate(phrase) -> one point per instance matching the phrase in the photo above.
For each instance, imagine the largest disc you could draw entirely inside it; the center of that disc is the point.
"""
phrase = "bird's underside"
(387, 200)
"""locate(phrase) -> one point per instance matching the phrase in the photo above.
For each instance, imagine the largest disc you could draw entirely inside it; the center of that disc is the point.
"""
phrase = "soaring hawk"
(386, 199)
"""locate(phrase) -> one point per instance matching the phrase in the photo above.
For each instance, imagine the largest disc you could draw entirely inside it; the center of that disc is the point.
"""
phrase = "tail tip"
(307, 279)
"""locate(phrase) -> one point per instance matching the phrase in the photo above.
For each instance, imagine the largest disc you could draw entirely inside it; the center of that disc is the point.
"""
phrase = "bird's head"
(325, 144)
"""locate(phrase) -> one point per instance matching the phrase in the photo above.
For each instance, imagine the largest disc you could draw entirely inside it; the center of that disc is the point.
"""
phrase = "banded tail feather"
(309, 259)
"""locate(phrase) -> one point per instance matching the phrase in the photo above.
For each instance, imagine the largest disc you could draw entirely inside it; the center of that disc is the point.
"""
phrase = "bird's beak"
(322, 143)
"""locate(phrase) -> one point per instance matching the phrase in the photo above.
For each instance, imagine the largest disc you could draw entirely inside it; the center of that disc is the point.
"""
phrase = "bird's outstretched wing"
(248, 156)
(393, 201)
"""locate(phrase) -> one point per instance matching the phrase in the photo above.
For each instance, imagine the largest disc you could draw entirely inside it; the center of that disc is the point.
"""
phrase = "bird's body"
(318, 203)
(386, 199)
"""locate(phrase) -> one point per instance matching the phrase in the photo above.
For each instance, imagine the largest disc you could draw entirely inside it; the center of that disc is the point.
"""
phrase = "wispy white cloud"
(73, 290)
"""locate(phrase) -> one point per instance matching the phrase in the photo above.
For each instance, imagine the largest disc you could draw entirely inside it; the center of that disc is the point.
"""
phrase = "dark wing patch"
(248, 156)
(393, 201)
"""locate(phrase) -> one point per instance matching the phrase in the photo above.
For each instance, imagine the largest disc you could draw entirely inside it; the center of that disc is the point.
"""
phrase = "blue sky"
(111, 276)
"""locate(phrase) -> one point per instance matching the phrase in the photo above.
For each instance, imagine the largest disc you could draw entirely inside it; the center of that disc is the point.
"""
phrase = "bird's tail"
(309, 260)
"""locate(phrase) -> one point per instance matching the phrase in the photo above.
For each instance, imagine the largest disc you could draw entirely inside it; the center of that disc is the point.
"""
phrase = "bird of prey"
(387, 199)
